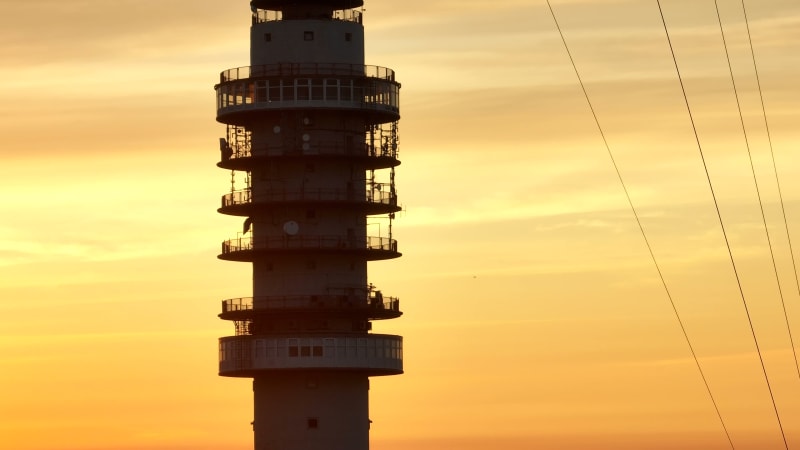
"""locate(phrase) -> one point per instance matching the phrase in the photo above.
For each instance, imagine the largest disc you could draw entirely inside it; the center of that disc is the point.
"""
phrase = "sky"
(533, 314)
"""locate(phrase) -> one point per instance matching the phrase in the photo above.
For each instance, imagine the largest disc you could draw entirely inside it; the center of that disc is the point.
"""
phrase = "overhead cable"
(721, 223)
(641, 227)
(778, 184)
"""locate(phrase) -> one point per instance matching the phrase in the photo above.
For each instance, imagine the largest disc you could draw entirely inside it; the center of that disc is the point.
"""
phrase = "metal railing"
(347, 15)
(373, 301)
(369, 243)
(382, 194)
(306, 69)
(242, 197)
(319, 148)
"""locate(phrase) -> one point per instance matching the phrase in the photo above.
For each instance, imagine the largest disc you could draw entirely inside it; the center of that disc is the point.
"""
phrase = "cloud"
(45, 31)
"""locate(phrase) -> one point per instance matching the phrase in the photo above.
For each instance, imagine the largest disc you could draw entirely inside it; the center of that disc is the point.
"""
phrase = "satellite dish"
(291, 228)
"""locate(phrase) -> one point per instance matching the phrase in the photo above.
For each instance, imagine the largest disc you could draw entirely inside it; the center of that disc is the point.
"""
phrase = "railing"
(348, 15)
(242, 197)
(308, 69)
(318, 148)
(373, 301)
(381, 194)
(369, 243)
(380, 353)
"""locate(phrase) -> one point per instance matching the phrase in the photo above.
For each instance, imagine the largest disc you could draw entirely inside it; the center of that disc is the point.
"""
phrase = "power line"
(719, 216)
(755, 179)
(641, 227)
(777, 182)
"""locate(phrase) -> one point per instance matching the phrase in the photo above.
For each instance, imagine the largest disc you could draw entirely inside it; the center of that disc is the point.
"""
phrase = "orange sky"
(533, 315)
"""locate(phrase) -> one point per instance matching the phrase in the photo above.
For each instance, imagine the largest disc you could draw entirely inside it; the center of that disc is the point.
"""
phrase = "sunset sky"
(533, 314)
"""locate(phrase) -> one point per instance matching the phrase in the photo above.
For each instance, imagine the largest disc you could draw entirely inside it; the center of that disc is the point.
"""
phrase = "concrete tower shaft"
(312, 131)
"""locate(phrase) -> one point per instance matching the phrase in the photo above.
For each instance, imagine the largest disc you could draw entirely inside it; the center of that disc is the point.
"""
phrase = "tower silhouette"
(313, 132)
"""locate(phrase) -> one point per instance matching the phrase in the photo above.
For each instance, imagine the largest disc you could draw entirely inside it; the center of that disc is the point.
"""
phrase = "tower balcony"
(369, 306)
(244, 91)
(372, 157)
(381, 199)
(375, 354)
(371, 248)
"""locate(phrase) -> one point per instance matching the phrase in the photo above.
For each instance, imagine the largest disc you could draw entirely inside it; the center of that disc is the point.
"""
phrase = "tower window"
(267, 37)
(348, 37)
(313, 423)
(308, 35)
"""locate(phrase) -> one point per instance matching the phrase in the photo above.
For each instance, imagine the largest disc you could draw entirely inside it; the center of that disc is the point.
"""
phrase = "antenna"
(291, 228)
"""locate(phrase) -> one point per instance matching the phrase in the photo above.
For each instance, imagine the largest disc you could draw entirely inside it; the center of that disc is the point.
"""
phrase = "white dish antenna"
(291, 228)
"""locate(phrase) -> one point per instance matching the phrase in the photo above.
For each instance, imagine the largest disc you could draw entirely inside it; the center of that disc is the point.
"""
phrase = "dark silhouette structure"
(313, 131)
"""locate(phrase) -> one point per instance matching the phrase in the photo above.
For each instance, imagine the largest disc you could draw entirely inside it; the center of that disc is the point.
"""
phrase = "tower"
(312, 147)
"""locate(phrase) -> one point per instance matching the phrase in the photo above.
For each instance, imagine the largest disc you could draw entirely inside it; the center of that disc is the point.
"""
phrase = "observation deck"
(371, 248)
(380, 199)
(374, 354)
(243, 91)
(373, 306)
